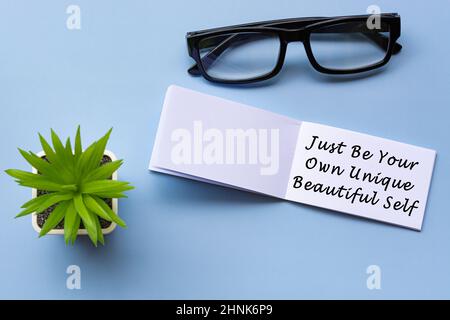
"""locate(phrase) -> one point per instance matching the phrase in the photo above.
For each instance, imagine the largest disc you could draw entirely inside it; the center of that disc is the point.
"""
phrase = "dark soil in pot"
(42, 217)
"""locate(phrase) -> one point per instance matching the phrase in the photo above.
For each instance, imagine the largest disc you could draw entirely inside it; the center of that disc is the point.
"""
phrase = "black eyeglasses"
(254, 52)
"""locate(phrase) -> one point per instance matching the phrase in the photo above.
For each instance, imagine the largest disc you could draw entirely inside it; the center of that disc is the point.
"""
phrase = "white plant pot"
(115, 205)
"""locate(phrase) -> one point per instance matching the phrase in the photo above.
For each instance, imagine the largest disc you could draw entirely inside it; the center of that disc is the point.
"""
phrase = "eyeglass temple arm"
(377, 37)
(222, 45)
(381, 40)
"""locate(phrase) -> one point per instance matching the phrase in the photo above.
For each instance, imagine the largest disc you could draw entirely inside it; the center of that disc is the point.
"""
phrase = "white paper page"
(211, 139)
(403, 173)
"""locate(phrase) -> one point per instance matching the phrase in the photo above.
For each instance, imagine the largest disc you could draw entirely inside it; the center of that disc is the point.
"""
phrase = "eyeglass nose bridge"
(295, 35)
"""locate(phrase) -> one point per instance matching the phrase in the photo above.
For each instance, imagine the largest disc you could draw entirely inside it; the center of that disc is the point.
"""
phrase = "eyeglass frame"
(305, 26)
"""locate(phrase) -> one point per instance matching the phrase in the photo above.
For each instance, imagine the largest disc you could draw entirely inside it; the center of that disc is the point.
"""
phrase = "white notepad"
(215, 140)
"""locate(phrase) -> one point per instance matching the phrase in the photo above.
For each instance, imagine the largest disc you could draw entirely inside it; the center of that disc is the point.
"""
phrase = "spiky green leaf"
(49, 153)
(70, 222)
(83, 162)
(58, 146)
(54, 218)
(104, 171)
(113, 216)
(42, 183)
(98, 152)
(70, 156)
(76, 226)
(42, 166)
(111, 195)
(36, 200)
(22, 175)
(86, 217)
(99, 230)
(100, 187)
(41, 203)
(68, 147)
(63, 156)
(33, 205)
(78, 147)
(38, 181)
(56, 159)
(92, 205)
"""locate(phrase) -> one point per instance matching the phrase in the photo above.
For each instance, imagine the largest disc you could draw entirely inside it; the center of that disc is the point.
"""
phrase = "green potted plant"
(74, 192)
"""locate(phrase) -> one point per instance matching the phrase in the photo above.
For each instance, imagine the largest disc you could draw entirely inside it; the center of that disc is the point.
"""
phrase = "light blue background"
(193, 240)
